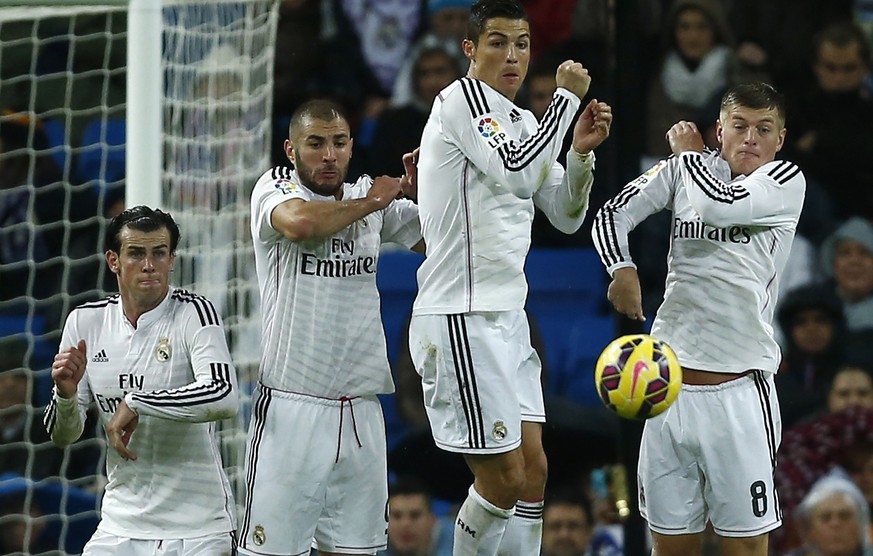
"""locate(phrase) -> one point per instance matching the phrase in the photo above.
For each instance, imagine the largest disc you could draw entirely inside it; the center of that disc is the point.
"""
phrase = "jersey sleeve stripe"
(518, 158)
(477, 87)
(712, 187)
(198, 394)
(205, 309)
(50, 415)
(476, 104)
(779, 173)
(604, 224)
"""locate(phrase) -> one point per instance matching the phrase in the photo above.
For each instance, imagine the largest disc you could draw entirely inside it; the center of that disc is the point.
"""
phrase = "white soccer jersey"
(484, 164)
(730, 241)
(322, 326)
(175, 371)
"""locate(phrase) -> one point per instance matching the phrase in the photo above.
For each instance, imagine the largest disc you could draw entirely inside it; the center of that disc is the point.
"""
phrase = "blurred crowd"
(385, 61)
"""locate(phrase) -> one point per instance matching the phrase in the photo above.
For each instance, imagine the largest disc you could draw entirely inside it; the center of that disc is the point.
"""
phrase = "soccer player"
(155, 360)
(316, 463)
(711, 455)
(484, 164)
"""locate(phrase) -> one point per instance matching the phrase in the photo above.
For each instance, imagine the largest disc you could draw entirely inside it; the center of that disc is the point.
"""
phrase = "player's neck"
(134, 307)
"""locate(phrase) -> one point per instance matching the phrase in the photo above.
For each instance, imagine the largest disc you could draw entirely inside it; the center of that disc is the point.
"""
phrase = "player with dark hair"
(155, 360)
(485, 163)
(711, 455)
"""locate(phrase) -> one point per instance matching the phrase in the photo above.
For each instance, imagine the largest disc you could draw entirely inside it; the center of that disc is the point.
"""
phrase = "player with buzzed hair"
(316, 463)
(711, 456)
(155, 360)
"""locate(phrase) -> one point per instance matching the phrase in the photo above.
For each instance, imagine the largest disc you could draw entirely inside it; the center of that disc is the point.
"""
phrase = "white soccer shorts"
(711, 456)
(105, 544)
(480, 378)
(316, 468)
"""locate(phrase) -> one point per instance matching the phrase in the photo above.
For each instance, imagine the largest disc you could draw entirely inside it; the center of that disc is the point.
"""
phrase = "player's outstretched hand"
(592, 126)
(573, 77)
(625, 295)
(384, 190)
(409, 181)
(120, 428)
(684, 136)
(68, 369)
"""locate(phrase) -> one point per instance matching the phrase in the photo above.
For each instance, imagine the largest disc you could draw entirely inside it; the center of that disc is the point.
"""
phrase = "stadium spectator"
(567, 522)
(698, 64)
(398, 129)
(834, 145)
(852, 386)
(813, 327)
(847, 259)
(833, 520)
(447, 29)
(413, 527)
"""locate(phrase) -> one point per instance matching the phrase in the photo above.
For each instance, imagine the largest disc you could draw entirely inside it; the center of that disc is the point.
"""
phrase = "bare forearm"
(315, 220)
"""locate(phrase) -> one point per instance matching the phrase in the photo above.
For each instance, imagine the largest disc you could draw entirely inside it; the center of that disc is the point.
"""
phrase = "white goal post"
(159, 102)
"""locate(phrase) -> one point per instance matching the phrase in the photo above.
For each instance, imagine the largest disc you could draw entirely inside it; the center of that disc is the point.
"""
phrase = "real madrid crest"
(259, 536)
(498, 431)
(164, 351)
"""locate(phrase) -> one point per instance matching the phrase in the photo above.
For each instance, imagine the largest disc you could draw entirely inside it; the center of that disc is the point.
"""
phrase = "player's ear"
(719, 131)
(112, 261)
(782, 133)
(469, 48)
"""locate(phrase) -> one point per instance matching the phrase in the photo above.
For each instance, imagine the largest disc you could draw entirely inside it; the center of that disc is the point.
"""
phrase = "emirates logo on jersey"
(488, 128)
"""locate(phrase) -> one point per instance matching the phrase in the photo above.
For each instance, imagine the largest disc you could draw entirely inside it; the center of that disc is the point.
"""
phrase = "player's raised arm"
(64, 417)
(563, 197)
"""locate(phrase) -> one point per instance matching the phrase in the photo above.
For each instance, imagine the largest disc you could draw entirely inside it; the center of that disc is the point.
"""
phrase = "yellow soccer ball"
(638, 376)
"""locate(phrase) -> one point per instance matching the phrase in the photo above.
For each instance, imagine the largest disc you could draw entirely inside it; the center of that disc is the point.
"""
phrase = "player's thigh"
(220, 544)
(670, 492)
(355, 516)
(739, 458)
(470, 379)
(676, 545)
(291, 453)
(105, 544)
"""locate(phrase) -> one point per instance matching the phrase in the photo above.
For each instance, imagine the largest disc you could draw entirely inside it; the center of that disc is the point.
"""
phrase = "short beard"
(308, 181)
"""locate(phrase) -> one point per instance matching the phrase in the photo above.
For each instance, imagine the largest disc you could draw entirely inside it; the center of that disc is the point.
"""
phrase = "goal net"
(65, 108)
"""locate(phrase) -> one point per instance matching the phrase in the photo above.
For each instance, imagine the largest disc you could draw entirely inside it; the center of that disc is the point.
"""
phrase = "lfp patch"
(488, 127)
(653, 171)
(286, 186)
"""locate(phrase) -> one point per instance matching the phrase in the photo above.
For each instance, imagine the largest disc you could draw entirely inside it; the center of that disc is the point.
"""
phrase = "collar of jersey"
(149, 317)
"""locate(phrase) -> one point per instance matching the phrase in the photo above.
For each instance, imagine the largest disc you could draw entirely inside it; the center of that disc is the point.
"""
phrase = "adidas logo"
(100, 357)
(514, 116)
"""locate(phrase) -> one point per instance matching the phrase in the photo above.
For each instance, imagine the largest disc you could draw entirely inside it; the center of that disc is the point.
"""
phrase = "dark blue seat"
(395, 278)
(565, 285)
(103, 143)
(587, 338)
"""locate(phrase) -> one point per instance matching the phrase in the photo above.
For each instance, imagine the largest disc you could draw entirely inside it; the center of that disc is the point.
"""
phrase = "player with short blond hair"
(711, 456)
